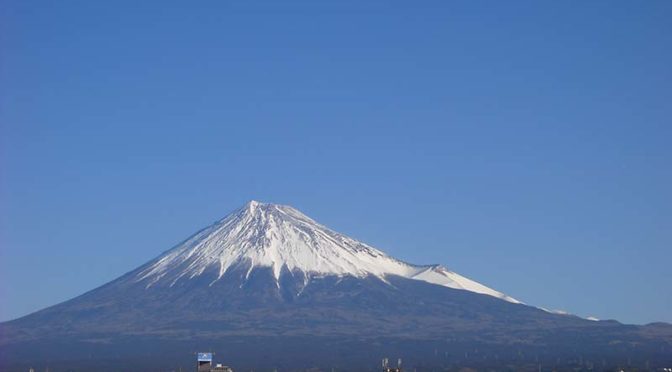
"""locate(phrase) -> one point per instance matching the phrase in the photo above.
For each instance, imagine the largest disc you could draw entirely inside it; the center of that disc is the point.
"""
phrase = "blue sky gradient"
(526, 145)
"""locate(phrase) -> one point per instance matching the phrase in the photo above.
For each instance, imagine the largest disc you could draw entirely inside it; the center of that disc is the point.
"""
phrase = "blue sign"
(205, 357)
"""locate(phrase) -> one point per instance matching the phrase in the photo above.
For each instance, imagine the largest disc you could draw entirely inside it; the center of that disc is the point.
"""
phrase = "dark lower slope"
(347, 322)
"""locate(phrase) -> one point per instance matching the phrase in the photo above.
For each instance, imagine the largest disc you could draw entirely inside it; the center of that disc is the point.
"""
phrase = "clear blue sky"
(527, 145)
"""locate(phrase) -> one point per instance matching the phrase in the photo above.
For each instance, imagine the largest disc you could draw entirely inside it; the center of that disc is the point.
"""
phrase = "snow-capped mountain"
(268, 287)
(279, 236)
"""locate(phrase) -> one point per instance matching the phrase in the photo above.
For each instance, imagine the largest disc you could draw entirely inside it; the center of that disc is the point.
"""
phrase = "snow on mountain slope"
(279, 236)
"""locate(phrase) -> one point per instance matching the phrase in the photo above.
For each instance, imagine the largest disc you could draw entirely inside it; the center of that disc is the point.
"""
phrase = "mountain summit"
(269, 288)
(280, 237)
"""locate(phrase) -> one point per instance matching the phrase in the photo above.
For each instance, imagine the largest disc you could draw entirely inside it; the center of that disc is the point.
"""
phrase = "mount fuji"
(282, 239)
(268, 287)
